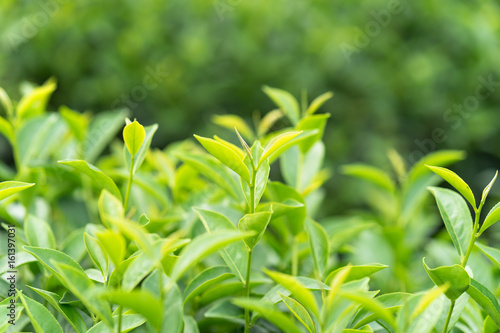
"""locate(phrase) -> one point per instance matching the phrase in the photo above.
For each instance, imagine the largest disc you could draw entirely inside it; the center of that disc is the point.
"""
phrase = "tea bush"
(223, 235)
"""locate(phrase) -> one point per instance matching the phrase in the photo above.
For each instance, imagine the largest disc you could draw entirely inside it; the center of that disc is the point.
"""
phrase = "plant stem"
(247, 291)
(473, 236)
(445, 329)
(249, 260)
(119, 319)
(129, 184)
(295, 257)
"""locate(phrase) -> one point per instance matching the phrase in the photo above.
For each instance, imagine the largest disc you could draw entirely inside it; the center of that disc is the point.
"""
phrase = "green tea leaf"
(206, 279)
(236, 254)
(485, 299)
(301, 293)
(487, 189)
(226, 155)
(99, 177)
(35, 102)
(133, 135)
(320, 248)
(201, 247)
(110, 208)
(129, 322)
(312, 122)
(295, 218)
(455, 277)
(113, 244)
(6, 129)
(261, 179)
(369, 304)
(141, 154)
(454, 180)
(268, 121)
(97, 254)
(285, 101)
(230, 121)
(357, 272)
(83, 288)
(270, 312)
(456, 217)
(492, 218)
(318, 102)
(41, 318)
(9, 188)
(38, 233)
(276, 143)
(172, 311)
(299, 312)
(136, 271)
(6, 102)
(142, 302)
(371, 174)
(70, 313)
(256, 222)
(492, 253)
(77, 122)
(47, 257)
(440, 158)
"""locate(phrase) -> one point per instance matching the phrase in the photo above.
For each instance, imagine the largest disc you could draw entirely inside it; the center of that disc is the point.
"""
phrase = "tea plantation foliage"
(221, 234)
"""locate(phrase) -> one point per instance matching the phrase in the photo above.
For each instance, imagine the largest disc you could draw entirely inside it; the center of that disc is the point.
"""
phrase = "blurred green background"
(411, 75)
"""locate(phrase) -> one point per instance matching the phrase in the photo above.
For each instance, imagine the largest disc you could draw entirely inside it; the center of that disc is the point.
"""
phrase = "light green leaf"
(492, 253)
(141, 154)
(268, 121)
(138, 269)
(261, 179)
(455, 277)
(206, 279)
(84, 289)
(38, 233)
(440, 158)
(256, 222)
(133, 135)
(48, 256)
(77, 122)
(276, 143)
(269, 312)
(129, 322)
(357, 272)
(454, 180)
(318, 102)
(315, 122)
(487, 189)
(485, 299)
(172, 311)
(113, 244)
(372, 174)
(285, 101)
(295, 218)
(35, 102)
(230, 121)
(370, 304)
(190, 325)
(456, 217)
(301, 293)
(236, 254)
(489, 326)
(42, 320)
(492, 218)
(226, 155)
(110, 208)
(6, 102)
(142, 302)
(102, 129)
(6, 129)
(69, 312)
(320, 247)
(99, 177)
(97, 254)
(299, 312)
(211, 168)
(9, 188)
(201, 247)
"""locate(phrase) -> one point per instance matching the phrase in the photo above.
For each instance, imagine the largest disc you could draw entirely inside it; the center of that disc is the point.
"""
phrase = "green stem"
(473, 236)
(295, 257)
(247, 291)
(129, 184)
(119, 320)
(445, 329)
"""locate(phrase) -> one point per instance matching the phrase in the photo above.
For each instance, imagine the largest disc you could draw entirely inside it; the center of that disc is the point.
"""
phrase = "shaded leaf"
(320, 248)
(206, 279)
